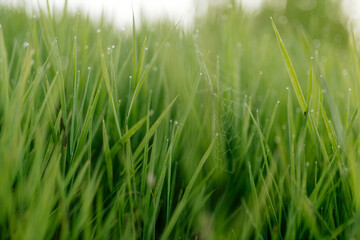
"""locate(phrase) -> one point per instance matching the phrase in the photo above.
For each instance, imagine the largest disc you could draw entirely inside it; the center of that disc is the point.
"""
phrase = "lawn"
(243, 126)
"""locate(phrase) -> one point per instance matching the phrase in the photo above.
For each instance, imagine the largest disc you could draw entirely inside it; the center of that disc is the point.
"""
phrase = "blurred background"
(120, 11)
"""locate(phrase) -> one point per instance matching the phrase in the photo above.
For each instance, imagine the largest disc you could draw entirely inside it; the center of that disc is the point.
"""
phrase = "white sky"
(121, 10)
(178, 10)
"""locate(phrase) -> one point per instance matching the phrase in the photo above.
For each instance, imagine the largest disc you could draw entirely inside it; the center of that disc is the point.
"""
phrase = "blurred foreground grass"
(169, 133)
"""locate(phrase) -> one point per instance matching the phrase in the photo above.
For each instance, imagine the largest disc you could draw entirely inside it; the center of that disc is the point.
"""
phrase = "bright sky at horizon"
(120, 11)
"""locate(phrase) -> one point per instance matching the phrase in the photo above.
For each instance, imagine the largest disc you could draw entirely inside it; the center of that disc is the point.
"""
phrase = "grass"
(238, 128)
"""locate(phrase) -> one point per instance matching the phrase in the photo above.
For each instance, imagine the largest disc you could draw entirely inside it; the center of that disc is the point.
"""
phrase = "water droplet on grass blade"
(26, 44)
(98, 30)
(150, 180)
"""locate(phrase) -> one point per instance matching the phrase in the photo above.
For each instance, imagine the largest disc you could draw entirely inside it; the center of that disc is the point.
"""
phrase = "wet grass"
(240, 128)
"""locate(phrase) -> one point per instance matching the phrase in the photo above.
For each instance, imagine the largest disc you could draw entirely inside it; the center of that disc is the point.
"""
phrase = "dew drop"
(287, 88)
(26, 44)
(349, 89)
(146, 49)
(176, 122)
(130, 77)
(74, 37)
(201, 74)
(150, 180)
(113, 46)
(307, 164)
(89, 68)
(98, 30)
(323, 90)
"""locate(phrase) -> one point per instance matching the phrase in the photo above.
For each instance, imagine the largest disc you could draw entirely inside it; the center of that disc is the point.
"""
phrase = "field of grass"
(242, 127)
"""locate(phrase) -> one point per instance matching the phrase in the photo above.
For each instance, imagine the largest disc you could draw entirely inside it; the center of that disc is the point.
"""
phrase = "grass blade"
(291, 70)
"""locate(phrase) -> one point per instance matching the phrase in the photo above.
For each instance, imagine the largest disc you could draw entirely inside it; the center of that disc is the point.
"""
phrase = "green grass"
(240, 127)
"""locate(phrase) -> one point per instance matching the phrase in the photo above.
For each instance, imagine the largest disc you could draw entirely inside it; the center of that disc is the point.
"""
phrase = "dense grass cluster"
(239, 128)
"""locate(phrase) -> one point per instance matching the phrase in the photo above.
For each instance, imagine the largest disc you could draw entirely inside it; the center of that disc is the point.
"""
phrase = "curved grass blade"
(291, 70)
(126, 137)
